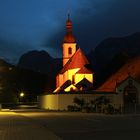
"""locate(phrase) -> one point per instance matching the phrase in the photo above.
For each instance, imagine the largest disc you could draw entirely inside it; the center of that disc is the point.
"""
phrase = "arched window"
(69, 50)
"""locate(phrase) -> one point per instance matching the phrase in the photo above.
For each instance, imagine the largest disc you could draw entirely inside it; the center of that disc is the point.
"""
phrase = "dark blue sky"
(40, 24)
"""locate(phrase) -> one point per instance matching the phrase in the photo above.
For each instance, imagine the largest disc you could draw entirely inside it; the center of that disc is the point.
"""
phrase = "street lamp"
(21, 97)
(22, 94)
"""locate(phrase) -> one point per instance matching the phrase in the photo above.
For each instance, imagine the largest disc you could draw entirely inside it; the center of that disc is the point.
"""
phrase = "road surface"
(25, 125)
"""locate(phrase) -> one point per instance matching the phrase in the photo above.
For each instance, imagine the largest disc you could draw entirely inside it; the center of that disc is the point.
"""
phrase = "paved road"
(13, 126)
(68, 126)
(81, 126)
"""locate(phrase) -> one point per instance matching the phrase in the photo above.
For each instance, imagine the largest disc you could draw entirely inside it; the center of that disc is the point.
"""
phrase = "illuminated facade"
(122, 90)
(125, 94)
(75, 74)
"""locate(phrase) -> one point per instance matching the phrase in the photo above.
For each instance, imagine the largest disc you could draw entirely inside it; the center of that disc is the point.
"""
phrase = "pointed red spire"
(69, 38)
(68, 24)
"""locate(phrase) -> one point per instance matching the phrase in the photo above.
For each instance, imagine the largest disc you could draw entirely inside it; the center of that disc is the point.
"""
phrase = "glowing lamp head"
(22, 94)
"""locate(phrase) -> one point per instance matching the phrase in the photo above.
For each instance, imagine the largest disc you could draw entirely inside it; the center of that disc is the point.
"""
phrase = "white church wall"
(60, 80)
(65, 77)
(79, 77)
(66, 55)
(71, 73)
(71, 87)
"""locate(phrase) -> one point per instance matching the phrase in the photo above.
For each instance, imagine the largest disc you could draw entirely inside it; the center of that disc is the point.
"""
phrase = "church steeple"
(69, 38)
(69, 43)
(69, 24)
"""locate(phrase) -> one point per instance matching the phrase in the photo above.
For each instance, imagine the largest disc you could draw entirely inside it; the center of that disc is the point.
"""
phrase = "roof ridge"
(84, 70)
(78, 60)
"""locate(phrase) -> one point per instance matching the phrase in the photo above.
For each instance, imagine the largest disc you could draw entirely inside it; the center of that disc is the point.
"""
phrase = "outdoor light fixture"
(22, 94)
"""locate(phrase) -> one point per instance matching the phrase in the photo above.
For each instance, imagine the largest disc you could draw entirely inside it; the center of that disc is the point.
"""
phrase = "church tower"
(69, 44)
(75, 75)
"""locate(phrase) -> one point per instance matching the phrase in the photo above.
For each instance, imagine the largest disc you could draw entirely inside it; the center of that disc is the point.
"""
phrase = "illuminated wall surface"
(71, 73)
(48, 102)
(72, 76)
(75, 76)
(73, 61)
(65, 76)
(66, 54)
(61, 101)
(59, 80)
(79, 77)
(70, 87)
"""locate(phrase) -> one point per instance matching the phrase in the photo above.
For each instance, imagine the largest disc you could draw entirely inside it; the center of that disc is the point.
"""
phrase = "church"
(75, 74)
(76, 80)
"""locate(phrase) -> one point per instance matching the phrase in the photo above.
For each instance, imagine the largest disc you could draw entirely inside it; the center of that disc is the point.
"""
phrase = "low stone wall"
(61, 101)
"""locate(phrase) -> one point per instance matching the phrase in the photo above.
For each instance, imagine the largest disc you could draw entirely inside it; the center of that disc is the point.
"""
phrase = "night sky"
(40, 24)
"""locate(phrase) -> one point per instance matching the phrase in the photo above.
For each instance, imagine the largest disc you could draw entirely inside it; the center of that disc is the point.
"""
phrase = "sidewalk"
(16, 127)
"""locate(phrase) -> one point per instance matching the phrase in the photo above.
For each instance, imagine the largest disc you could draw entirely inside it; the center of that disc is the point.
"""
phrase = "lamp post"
(21, 96)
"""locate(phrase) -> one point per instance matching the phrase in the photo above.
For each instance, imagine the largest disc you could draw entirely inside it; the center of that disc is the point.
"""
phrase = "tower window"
(69, 50)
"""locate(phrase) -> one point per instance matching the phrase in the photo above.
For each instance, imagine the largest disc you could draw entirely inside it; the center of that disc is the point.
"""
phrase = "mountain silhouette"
(108, 57)
(40, 61)
(111, 54)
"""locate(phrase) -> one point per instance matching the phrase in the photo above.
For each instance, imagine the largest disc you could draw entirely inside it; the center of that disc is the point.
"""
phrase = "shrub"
(73, 108)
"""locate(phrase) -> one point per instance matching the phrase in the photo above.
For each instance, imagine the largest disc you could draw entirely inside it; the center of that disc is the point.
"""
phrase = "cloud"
(11, 51)
(96, 20)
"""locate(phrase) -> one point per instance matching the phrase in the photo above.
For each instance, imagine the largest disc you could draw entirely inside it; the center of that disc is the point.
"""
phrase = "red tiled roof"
(78, 60)
(84, 70)
(131, 68)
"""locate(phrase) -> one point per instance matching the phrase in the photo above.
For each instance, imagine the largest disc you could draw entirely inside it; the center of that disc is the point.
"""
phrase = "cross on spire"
(68, 16)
